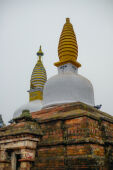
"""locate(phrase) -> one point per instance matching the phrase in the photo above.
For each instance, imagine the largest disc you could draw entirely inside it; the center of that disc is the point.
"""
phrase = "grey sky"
(25, 24)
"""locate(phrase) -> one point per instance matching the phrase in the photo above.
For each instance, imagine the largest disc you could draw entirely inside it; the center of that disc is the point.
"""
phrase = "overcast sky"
(25, 24)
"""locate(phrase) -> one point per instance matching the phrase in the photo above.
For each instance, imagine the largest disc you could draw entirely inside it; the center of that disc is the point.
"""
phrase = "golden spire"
(38, 79)
(67, 48)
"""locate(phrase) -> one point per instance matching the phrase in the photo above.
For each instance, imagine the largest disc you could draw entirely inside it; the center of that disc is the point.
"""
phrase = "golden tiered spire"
(67, 48)
(38, 79)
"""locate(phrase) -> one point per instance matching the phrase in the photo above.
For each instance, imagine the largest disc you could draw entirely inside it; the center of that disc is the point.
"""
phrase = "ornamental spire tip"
(67, 20)
(40, 53)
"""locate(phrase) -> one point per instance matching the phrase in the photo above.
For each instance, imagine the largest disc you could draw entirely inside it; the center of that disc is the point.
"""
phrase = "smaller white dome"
(32, 106)
(66, 88)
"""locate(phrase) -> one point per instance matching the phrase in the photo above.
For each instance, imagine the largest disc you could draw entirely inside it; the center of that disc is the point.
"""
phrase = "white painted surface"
(31, 106)
(67, 68)
(67, 87)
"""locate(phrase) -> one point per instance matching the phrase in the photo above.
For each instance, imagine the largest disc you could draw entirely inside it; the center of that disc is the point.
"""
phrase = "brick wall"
(74, 138)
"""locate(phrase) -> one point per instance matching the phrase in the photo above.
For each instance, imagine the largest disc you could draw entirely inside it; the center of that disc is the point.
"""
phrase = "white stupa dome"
(67, 88)
(32, 106)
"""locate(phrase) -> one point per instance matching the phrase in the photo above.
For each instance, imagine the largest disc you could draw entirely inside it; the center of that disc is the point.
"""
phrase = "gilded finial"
(38, 79)
(67, 48)
(40, 53)
(67, 20)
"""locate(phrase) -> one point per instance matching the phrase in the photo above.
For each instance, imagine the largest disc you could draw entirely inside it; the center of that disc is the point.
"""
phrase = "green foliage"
(25, 113)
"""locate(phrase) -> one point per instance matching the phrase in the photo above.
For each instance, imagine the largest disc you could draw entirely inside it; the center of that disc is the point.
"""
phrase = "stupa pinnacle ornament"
(40, 53)
(68, 48)
(38, 79)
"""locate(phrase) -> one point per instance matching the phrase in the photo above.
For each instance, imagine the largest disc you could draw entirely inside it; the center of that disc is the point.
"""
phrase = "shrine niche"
(18, 143)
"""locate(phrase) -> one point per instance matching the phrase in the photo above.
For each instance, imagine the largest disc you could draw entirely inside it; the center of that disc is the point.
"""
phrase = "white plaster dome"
(32, 106)
(67, 88)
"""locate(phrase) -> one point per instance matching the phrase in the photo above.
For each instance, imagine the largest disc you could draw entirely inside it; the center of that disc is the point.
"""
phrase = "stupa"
(68, 86)
(67, 132)
(37, 82)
